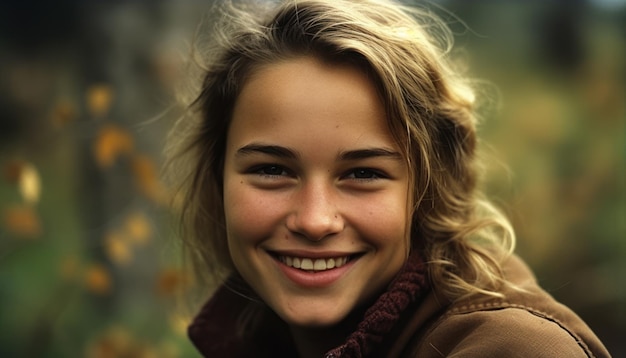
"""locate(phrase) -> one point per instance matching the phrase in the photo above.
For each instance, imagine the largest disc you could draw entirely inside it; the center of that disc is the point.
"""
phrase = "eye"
(269, 170)
(364, 174)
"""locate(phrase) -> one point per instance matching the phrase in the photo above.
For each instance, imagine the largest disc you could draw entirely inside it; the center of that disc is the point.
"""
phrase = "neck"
(315, 342)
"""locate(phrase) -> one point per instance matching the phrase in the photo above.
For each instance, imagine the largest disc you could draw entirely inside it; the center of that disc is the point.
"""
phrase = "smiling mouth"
(314, 265)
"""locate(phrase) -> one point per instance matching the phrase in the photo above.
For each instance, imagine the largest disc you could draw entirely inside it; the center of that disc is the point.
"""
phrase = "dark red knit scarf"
(214, 330)
(409, 285)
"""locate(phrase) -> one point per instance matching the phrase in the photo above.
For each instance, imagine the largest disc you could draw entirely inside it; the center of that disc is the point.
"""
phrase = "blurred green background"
(88, 262)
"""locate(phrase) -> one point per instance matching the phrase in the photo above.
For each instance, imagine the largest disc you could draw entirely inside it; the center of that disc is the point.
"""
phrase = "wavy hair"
(430, 113)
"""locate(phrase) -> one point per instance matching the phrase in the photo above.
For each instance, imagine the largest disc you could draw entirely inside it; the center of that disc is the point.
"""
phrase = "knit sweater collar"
(215, 333)
(408, 286)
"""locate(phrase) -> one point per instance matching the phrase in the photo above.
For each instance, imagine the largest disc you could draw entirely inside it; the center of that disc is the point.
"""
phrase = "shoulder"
(524, 323)
(509, 331)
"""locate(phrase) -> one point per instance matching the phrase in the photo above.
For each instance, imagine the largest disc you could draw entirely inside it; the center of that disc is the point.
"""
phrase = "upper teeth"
(313, 264)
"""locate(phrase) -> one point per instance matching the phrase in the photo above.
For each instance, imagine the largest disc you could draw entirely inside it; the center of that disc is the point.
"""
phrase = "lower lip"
(315, 279)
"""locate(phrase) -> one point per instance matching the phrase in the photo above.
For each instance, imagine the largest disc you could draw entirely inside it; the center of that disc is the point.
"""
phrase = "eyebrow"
(273, 150)
(369, 153)
(288, 153)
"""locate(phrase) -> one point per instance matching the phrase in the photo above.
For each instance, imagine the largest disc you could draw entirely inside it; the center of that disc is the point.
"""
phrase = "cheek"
(250, 215)
(385, 220)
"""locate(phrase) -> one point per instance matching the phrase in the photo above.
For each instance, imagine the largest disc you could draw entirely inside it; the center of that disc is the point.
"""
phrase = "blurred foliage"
(88, 263)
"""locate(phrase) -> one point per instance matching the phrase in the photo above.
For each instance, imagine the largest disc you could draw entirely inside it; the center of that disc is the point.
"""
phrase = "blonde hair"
(430, 111)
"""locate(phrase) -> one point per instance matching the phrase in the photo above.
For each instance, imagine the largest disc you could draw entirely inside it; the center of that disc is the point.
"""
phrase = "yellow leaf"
(117, 248)
(111, 142)
(98, 279)
(26, 177)
(29, 184)
(22, 221)
(146, 178)
(99, 99)
(170, 281)
(138, 228)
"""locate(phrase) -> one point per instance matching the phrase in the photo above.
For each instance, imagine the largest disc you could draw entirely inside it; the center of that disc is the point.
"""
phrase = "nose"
(315, 213)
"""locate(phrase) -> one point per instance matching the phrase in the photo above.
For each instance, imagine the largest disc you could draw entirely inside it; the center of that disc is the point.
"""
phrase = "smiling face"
(315, 191)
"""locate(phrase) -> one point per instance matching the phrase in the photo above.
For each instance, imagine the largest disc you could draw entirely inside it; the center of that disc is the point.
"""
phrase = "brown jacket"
(523, 324)
(415, 321)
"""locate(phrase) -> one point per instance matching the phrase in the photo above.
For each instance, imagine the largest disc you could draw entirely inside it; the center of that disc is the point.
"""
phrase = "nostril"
(314, 225)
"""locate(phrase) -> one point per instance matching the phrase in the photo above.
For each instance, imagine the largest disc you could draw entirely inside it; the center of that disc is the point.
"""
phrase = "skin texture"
(311, 170)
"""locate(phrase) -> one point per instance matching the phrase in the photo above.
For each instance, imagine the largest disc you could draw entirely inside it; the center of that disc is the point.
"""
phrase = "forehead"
(306, 94)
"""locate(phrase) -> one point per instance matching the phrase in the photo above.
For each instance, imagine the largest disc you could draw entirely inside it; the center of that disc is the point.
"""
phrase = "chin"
(313, 319)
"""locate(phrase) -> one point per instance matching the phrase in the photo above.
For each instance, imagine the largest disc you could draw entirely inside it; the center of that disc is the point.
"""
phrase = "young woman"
(328, 176)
